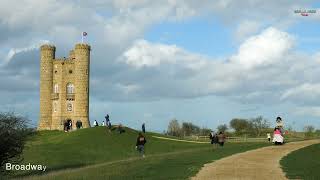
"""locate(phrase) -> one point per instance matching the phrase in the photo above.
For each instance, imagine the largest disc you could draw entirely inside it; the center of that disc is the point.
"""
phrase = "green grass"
(303, 163)
(112, 155)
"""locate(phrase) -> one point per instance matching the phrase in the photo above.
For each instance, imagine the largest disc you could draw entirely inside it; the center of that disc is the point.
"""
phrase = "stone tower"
(64, 88)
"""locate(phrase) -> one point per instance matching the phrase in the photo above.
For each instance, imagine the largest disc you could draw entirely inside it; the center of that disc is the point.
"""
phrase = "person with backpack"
(141, 141)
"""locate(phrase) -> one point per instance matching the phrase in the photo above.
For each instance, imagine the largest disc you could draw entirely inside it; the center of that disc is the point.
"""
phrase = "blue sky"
(203, 35)
(153, 61)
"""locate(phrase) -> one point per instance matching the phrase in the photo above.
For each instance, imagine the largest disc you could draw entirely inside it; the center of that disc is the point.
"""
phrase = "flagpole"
(82, 37)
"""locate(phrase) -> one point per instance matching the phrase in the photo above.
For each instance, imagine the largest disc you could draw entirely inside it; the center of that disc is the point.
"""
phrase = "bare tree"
(258, 124)
(309, 129)
(240, 126)
(174, 128)
(222, 128)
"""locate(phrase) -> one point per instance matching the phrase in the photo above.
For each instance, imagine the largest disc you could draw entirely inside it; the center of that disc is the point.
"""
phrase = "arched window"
(70, 88)
(56, 88)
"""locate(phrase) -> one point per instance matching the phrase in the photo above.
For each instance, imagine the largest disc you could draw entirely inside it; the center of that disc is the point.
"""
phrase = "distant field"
(113, 156)
(303, 163)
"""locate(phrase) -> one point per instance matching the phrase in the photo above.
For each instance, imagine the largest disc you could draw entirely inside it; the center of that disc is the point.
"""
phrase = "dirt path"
(261, 163)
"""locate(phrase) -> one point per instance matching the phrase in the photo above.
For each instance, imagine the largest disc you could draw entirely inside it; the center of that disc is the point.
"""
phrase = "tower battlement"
(64, 87)
(83, 46)
(47, 47)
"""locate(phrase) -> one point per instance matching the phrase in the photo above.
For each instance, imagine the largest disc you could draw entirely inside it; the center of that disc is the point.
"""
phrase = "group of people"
(278, 133)
(217, 138)
(68, 125)
(107, 123)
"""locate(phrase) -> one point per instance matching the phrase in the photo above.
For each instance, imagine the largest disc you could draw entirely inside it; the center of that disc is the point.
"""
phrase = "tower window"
(56, 88)
(69, 107)
(70, 88)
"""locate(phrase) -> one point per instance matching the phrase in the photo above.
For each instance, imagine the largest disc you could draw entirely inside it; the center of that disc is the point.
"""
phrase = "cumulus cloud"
(145, 54)
(265, 69)
(264, 49)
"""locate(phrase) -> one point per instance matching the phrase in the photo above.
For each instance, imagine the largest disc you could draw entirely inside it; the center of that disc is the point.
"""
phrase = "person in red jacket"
(141, 141)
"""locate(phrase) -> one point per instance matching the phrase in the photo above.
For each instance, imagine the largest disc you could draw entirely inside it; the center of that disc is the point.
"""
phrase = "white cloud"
(264, 49)
(145, 54)
(302, 93)
(14, 51)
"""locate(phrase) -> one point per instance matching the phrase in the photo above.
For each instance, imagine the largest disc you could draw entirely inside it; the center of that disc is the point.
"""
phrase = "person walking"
(221, 138)
(143, 128)
(141, 141)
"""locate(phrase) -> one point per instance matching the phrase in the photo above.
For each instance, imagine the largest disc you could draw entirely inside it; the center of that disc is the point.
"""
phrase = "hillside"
(58, 150)
(89, 152)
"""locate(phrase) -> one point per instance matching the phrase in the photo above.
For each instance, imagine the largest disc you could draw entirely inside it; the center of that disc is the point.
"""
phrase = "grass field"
(303, 163)
(95, 153)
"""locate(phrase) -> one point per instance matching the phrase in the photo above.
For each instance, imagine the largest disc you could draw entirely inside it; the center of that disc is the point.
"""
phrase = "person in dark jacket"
(141, 141)
(143, 128)
(211, 137)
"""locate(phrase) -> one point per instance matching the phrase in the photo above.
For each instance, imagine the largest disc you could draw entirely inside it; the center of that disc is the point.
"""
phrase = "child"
(269, 136)
(141, 140)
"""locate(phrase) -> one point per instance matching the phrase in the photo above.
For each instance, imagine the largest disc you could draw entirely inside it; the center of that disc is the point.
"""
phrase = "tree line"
(252, 127)
(175, 128)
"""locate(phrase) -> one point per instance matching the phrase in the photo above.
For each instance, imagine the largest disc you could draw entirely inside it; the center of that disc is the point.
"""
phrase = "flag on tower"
(83, 34)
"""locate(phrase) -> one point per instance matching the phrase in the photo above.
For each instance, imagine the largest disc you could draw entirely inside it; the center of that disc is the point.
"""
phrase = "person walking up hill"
(141, 141)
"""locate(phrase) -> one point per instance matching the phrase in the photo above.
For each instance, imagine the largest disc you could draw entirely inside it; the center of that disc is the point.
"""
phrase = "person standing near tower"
(108, 123)
(95, 123)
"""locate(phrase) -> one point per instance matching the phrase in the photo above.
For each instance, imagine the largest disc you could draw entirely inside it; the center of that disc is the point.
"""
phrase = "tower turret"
(82, 71)
(47, 53)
